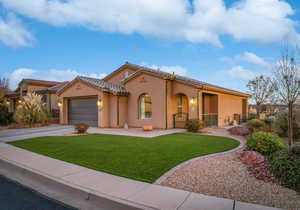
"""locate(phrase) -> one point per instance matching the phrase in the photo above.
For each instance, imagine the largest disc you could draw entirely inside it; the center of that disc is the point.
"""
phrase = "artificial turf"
(143, 159)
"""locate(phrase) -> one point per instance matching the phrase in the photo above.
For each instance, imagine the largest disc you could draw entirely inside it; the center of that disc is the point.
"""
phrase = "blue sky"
(224, 43)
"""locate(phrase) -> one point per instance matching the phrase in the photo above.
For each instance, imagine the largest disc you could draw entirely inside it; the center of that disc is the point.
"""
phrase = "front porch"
(206, 107)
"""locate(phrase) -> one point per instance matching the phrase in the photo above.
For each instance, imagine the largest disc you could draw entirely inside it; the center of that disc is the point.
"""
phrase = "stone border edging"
(172, 171)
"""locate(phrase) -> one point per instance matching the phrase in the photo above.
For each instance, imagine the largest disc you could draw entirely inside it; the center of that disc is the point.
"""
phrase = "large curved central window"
(145, 107)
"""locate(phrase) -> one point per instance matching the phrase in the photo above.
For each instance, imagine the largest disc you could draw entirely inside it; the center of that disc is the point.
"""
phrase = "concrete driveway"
(19, 134)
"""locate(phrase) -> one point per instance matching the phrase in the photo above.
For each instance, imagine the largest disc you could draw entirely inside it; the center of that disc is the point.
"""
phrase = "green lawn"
(144, 159)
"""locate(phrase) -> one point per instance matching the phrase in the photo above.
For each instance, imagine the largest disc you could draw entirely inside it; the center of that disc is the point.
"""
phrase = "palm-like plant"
(31, 110)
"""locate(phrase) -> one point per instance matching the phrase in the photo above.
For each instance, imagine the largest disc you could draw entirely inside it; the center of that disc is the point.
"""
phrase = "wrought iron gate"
(180, 119)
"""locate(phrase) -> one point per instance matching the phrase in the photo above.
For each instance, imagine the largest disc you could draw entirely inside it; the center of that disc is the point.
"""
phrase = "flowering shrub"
(81, 128)
(239, 131)
(31, 110)
(258, 166)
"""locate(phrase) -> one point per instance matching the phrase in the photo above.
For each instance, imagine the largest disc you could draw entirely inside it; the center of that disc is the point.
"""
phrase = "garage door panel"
(83, 111)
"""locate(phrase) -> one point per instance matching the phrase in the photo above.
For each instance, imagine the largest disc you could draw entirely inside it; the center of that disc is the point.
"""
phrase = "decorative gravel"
(226, 176)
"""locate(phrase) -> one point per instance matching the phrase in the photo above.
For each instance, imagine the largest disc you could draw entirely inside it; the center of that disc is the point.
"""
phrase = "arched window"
(145, 107)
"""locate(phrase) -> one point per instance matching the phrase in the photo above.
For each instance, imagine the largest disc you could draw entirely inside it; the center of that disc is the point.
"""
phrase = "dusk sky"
(221, 42)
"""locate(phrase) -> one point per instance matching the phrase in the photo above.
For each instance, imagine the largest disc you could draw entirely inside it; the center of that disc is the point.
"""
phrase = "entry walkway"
(126, 191)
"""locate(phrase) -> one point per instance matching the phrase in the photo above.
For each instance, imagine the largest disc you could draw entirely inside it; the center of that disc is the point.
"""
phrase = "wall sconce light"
(99, 103)
(19, 101)
(8, 102)
(192, 101)
(59, 104)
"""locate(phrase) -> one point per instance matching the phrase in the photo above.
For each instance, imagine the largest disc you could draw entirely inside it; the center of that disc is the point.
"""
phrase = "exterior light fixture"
(19, 101)
(59, 104)
(192, 101)
(99, 103)
(8, 102)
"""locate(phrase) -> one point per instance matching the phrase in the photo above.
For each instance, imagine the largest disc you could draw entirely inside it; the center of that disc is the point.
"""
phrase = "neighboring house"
(45, 88)
(138, 96)
(267, 109)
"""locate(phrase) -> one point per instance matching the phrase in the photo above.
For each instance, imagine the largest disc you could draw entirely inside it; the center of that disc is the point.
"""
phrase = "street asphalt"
(14, 196)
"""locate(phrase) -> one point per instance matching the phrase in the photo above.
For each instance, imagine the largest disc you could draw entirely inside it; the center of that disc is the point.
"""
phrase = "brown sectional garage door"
(83, 110)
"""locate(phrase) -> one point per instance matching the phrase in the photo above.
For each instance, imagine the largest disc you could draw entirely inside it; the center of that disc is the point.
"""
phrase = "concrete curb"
(172, 171)
(60, 189)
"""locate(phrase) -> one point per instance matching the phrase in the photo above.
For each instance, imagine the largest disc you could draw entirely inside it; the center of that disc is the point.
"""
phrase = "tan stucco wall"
(78, 89)
(228, 105)
(117, 77)
(155, 87)
(190, 92)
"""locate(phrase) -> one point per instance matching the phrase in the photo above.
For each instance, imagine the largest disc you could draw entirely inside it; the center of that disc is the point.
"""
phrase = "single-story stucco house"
(47, 89)
(134, 95)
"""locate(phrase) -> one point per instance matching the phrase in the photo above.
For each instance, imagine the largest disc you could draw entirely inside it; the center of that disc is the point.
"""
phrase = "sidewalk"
(138, 195)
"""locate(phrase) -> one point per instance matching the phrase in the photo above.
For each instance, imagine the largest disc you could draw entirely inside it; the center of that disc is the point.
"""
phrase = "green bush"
(81, 127)
(264, 142)
(5, 116)
(31, 110)
(281, 124)
(255, 125)
(194, 125)
(285, 166)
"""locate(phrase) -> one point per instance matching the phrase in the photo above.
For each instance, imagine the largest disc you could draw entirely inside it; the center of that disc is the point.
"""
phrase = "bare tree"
(286, 78)
(4, 83)
(261, 90)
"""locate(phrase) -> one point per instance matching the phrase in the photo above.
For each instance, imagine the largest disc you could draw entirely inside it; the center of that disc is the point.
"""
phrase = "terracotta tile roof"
(41, 82)
(53, 89)
(105, 85)
(173, 76)
(98, 83)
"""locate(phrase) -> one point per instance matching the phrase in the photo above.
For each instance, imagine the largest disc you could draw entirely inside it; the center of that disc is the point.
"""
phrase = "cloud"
(239, 72)
(13, 33)
(170, 69)
(53, 75)
(256, 20)
(247, 57)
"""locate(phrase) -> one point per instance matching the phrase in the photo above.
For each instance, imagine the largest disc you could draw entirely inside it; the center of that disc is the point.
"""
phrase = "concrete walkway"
(58, 130)
(19, 134)
(135, 132)
(126, 191)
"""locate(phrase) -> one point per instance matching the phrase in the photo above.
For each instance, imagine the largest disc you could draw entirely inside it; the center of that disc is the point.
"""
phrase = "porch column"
(63, 111)
(103, 113)
(200, 105)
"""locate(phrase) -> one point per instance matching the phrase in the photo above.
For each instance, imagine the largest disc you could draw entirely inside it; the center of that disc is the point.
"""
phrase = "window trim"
(140, 107)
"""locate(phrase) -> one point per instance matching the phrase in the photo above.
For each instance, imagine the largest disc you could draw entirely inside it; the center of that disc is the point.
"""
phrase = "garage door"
(83, 111)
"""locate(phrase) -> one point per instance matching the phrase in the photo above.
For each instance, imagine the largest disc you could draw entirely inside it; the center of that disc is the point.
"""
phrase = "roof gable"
(98, 84)
(183, 79)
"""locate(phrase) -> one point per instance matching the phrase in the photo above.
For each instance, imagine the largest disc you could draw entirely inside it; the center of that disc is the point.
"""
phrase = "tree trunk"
(258, 111)
(290, 124)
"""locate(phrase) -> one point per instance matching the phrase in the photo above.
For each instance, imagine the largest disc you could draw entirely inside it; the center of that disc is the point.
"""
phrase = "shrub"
(239, 130)
(194, 125)
(255, 125)
(281, 124)
(265, 142)
(81, 127)
(285, 165)
(31, 110)
(5, 116)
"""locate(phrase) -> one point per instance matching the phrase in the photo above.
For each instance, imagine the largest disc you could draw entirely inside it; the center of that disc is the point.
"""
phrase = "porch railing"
(210, 119)
(179, 119)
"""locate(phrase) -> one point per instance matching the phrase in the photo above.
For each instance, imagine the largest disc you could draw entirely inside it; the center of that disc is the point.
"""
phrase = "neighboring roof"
(9, 93)
(166, 75)
(40, 82)
(98, 83)
(52, 89)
